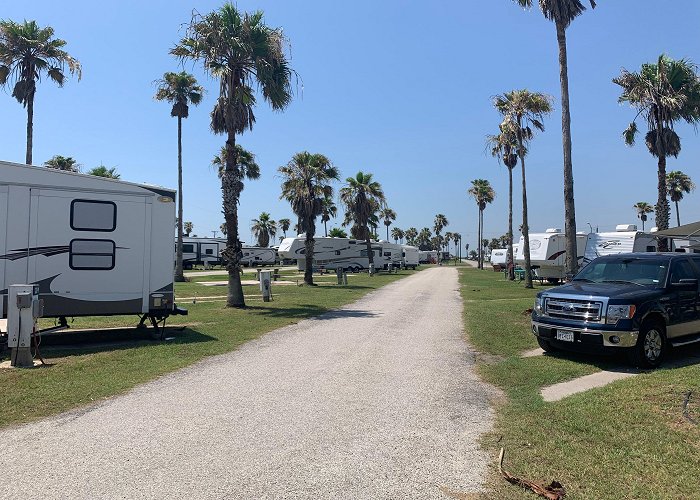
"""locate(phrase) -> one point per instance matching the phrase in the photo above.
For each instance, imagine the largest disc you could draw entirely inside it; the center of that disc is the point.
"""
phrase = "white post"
(266, 285)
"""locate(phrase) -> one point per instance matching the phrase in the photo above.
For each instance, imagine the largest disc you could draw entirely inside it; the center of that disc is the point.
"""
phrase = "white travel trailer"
(332, 253)
(201, 251)
(410, 256)
(427, 256)
(499, 257)
(392, 253)
(624, 239)
(548, 253)
(94, 246)
(258, 256)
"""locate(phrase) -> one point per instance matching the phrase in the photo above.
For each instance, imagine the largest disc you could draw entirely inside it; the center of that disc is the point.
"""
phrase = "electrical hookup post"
(266, 285)
(23, 309)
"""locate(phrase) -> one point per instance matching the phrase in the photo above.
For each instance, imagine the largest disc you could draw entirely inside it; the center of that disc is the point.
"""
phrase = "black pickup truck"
(642, 303)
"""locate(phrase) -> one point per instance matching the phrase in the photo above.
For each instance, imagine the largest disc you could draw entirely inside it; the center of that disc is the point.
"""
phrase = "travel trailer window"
(651, 249)
(387, 254)
(91, 254)
(188, 248)
(337, 252)
(93, 215)
(209, 251)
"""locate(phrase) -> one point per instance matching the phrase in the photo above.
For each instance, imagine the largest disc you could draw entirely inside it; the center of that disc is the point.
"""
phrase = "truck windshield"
(645, 272)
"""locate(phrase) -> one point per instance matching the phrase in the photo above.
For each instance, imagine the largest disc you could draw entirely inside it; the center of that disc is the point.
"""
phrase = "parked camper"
(624, 239)
(94, 246)
(392, 253)
(427, 257)
(258, 256)
(332, 253)
(548, 253)
(499, 258)
(202, 251)
(410, 256)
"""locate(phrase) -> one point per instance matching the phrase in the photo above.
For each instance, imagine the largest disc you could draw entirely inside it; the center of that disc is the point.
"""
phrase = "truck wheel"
(651, 346)
(546, 345)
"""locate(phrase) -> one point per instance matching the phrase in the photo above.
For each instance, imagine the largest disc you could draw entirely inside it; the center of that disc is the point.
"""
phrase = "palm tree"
(180, 89)
(411, 234)
(388, 216)
(448, 240)
(643, 208)
(423, 238)
(483, 194)
(663, 93)
(522, 112)
(65, 163)
(222, 228)
(243, 53)
(284, 225)
(563, 13)
(26, 52)
(328, 210)
(264, 229)
(678, 184)
(439, 224)
(503, 147)
(362, 197)
(110, 173)
(457, 238)
(306, 183)
(232, 184)
(187, 227)
(397, 234)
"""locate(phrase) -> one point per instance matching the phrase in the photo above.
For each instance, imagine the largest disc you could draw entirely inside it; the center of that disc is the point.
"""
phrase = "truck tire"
(651, 345)
(546, 345)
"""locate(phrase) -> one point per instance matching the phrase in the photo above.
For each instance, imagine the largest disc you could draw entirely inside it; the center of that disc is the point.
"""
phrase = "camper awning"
(685, 231)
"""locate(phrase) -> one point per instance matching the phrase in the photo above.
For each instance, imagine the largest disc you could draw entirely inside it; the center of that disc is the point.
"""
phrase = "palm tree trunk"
(526, 231)
(662, 208)
(30, 129)
(232, 253)
(678, 215)
(510, 258)
(309, 255)
(179, 274)
(325, 228)
(569, 205)
(478, 237)
(387, 233)
(370, 252)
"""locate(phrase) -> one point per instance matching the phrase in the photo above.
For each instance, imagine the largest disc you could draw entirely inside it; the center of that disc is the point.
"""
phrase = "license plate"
(565, 335)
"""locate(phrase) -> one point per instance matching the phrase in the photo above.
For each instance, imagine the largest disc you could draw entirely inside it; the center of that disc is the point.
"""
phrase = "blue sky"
(398, 88)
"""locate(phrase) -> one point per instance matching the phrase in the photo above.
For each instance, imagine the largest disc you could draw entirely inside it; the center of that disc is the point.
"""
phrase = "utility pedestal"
(266, 285)
(23, 308)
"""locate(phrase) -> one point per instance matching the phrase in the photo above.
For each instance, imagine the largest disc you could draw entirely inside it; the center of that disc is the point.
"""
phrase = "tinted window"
(92, 215)
(188, 248)
(209, 251)
(681, 270)
(640, 271)
(92, 254)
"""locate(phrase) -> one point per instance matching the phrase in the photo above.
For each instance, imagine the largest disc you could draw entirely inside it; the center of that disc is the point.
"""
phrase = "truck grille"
(573, 309)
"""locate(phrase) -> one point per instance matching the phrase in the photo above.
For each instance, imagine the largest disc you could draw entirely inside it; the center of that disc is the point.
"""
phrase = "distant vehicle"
(624, 239)
(332, 253)
(548, 253)
(410, 256)
(94, 246)
(258, 256)
(640, 303)
(499, 257)
(427, 256)
(201, 251)
(392, 254)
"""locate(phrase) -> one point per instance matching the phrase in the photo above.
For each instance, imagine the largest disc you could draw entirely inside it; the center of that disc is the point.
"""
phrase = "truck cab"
(642, 303)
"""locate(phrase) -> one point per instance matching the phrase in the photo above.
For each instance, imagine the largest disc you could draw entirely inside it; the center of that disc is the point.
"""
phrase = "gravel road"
(376, 400)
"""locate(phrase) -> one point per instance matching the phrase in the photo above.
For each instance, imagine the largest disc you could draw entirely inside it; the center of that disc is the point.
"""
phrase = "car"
(639, 303)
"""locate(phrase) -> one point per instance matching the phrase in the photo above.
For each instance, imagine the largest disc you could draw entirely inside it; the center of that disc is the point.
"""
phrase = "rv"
(410, 257)
(499, 258)
(94, 246)
(201, 251)
(392, 254)
(258, 256)
(427, 257)
(548, 253)
(333, 253)
(624, 239)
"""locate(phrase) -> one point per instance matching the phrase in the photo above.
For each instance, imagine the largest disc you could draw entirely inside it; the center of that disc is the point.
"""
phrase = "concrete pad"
(560, 391)
(6, 365)
(532, 353)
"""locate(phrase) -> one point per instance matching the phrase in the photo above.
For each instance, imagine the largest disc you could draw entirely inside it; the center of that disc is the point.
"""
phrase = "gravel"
(375, 400)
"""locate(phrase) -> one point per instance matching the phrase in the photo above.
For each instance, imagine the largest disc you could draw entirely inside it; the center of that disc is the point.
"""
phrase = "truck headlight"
(539, 304)
(616, 313)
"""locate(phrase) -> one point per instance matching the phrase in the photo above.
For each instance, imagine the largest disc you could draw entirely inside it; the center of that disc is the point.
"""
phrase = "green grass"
(113, 362)
(626, 440)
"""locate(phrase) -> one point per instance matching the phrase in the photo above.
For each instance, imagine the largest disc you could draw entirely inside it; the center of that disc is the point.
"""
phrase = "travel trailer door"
(90, 252)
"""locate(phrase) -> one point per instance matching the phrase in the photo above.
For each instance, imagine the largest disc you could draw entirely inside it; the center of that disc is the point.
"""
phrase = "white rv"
(427, 256)
(548, 253)
(624, 239)
(392, 253)
(258, 256)
(410, 256)
(499, 257)
(94, 246)
(201, 251)
(332, 253)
